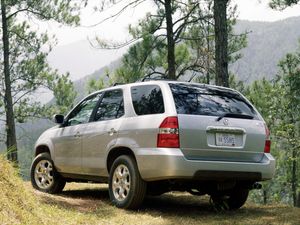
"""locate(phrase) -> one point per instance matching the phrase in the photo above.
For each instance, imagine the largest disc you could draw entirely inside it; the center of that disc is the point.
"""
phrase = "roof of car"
(186, 83)
(155, 81)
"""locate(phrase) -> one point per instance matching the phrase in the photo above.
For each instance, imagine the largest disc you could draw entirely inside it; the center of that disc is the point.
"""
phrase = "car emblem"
(225, 122)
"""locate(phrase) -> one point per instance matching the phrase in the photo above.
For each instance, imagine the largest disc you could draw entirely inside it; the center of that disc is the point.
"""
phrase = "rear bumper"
(165, 163)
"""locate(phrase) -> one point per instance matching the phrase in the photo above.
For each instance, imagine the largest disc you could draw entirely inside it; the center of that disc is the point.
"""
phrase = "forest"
(185, 40)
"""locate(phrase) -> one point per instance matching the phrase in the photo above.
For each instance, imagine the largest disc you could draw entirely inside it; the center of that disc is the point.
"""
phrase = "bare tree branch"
(16, 12)
(132, 4)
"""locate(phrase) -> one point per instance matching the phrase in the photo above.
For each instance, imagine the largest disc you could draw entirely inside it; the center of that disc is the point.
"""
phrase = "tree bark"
(265, 194)
(294, 176)
(221, 39)
(298, 200)
(170, 41)
(11, 140)
(208, 56)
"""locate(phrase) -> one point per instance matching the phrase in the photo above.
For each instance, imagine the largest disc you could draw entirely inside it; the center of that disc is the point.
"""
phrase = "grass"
(89, 204)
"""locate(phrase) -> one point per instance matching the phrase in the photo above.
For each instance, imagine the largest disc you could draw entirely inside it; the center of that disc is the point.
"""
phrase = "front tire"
(44, 176)
(231, 201)
(127, 189)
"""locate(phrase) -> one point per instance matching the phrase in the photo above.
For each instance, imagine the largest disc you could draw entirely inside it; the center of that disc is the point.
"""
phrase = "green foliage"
(279, 103)
(141, 59)
(236, 42)
(265, 95)
(61, 11)
(29, 69)
(236, 84)
(64, 93)
(201, 41)
(94, 85)
(289, 124)
(23, 65)
(30, 72)
(194, 49)
(282, 4)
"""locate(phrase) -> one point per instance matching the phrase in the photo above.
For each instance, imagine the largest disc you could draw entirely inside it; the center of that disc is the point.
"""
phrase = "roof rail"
(116, 84)
(146, 78)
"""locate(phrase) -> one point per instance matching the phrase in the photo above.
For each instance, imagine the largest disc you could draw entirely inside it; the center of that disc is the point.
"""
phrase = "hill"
(81, 84)
(18, 204)
(80, 58)
(89, 204)
(268, 43)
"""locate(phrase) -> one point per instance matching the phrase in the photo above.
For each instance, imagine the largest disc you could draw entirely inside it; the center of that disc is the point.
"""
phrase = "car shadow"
(170, 206)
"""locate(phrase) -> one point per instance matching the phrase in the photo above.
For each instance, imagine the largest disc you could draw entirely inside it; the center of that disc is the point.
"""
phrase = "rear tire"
(44, 176)
(127, 189)
(231, 201)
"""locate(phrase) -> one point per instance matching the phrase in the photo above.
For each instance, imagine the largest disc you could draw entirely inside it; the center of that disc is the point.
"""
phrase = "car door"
(102, 133)
(68, 142)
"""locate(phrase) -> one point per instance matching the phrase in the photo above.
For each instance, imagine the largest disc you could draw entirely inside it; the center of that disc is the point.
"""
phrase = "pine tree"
(24, 63)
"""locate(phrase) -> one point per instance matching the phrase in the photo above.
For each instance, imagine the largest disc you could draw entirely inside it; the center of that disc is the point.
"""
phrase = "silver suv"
(158, 136)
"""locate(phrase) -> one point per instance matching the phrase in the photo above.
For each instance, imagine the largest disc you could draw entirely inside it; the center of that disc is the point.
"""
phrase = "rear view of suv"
(158, 136)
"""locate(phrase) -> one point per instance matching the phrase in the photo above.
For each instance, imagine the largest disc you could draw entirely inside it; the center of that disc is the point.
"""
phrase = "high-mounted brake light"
(168, 136)
(268, 141)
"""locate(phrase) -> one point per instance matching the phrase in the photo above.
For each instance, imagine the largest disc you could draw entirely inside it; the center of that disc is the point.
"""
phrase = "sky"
(260, 11)
(116, 30)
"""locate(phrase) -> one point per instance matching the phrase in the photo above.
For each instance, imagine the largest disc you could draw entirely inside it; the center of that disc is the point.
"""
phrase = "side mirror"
(58, 119)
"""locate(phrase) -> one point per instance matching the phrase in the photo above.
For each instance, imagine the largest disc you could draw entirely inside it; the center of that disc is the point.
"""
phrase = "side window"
(111, 106)
(83, 112)
(147, 99)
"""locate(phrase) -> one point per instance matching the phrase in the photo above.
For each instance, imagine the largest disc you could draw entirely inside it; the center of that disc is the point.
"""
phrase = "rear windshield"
(211, 101)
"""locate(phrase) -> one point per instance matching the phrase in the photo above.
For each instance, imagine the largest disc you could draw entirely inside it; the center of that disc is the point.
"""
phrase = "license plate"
(225, 139)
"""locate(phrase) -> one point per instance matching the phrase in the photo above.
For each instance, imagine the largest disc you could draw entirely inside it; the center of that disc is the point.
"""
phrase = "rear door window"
(211, 101)
(111, 106)
(147, 99)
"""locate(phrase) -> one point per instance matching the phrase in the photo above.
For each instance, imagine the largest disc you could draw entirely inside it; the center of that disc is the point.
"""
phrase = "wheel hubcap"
(121, 182)
(43, 174)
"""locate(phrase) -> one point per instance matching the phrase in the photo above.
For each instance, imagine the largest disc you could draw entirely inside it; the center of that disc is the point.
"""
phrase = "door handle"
(77, 135)
(112, 132)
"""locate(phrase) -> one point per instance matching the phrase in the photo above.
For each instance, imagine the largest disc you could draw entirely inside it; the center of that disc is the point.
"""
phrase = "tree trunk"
(11, 140)
(294, 176)
(298, 200)
(208, 55)
(221, 39)
(297, 133)
(265, 194)
(170, 41)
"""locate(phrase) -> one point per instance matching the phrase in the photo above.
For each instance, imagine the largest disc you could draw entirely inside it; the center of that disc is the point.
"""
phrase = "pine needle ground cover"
(89, 204)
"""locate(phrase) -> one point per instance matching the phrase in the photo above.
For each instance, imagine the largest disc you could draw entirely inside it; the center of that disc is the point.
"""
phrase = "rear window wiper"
(235, 115)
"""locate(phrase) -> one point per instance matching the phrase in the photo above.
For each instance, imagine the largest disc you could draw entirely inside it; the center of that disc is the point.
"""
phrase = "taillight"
(168, 136)
(268, 141)
(267, 146)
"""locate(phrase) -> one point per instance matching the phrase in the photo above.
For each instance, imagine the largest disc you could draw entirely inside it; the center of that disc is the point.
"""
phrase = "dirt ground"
(173, 208)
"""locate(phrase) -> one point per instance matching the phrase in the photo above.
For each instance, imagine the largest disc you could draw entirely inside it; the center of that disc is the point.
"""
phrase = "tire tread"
(138, 193)
(59, 181)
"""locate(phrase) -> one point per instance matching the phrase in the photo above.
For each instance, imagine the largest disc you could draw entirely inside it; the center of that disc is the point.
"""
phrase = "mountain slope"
(81, 84)
(268, 42)
(81, 59)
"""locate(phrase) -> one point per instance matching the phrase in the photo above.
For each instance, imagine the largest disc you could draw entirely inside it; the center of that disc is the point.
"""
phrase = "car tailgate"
(229, 139)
